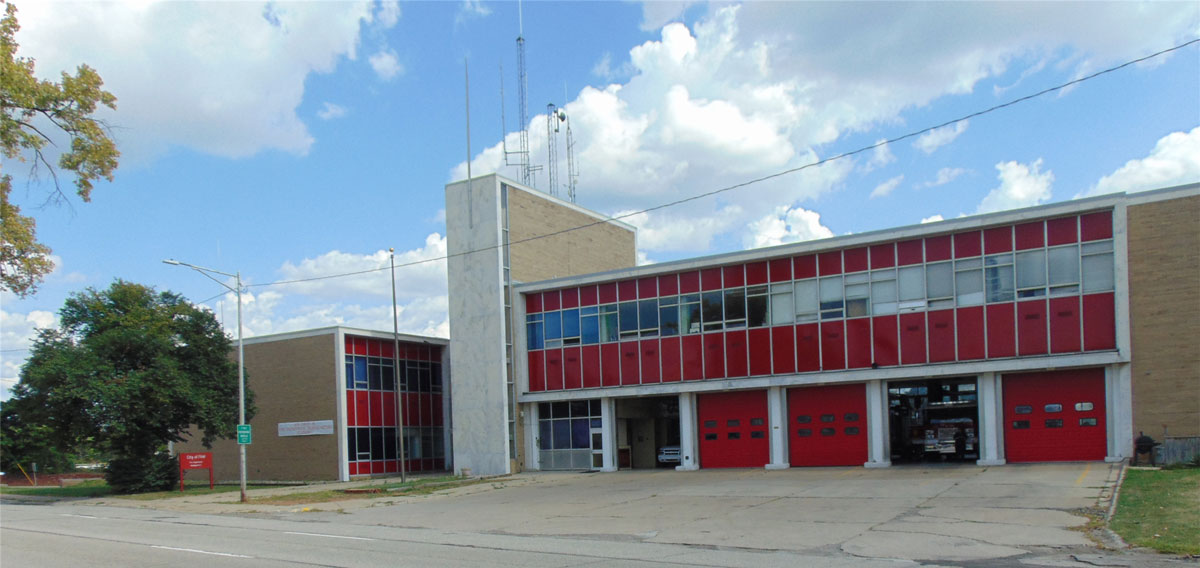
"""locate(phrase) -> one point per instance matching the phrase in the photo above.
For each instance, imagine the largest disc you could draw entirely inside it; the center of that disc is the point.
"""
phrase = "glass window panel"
(1020, 425)
(804, 419)
(629, 318)
(712, 311)
(1000, 283)
(668, 320)
(689, 316)
(608, 323)
(594, 407)
(758, 434)
(806, 300)
(1031, 269)
(1023, 409)
(939, 280)
(389, 443)
(1097, 247)
(911, 281)
(389, 376)
(781, 308)
(553, 327)
(377, 449)
(570, 323)
(1087, 421)
(589, 311)
(735, 307)
(857, 296)
(589, 329)
(560, 410)
(828, 431)
(562, 434)
(364, 443)
(1083, 406)
(756, 310)
(1098, 273)
(375, 377)
(734, 435)
(1063, 263)
(1053, 408)
(831, 297)
(851, 431)
(710, 436)
(360, 372)
(969, 287)
(351, 444)
(1054, 423)
(648, 316)
(733, 423)
(533, 335)
(804, 432)
(581, 434)
(579, 408)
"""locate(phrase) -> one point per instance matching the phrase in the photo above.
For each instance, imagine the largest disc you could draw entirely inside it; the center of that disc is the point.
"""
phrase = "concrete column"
(532, 432)
(878, 451)
(777, 426)
(1118, 411)
(689, 455)
(608, 436)
(991, 420)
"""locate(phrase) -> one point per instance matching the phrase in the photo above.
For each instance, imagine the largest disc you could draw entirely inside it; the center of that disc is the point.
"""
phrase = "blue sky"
(292, 140)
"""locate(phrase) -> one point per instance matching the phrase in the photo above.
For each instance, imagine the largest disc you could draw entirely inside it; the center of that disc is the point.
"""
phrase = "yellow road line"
(1086, 469)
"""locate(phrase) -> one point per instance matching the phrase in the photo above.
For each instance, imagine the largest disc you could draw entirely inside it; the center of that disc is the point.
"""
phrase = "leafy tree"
(32, 113)
(128, 370)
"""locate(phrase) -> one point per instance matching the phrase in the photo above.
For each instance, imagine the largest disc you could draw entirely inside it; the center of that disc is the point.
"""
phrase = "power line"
(782, 173)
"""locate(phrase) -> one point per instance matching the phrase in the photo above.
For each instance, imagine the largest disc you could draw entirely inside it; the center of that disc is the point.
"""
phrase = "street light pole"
(396, 367)
(237, 277)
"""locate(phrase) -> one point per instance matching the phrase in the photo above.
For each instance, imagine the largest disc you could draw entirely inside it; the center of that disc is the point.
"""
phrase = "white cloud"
(881, 156)
(787, 225)
(330, 111)
(386, 64)
(945, 176)
(933, 219)
(885, 188)
(17, 332)
(658, 13)
(222, 80)
(1021, 185)
(471, 9)
(388, 14)
(1175, 160)
(939, 137)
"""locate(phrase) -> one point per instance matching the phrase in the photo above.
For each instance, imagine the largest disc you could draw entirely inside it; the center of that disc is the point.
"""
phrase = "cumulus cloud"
(787, 225)
(1175, 160)
(222, 81)
(932, 219)
(881, 156)
(469, 9)
(945, 176)
(1021, 185)
(330, 111)
(388, 14)
(386, 64)
(939, 137)
(17, 332)
(885, 188)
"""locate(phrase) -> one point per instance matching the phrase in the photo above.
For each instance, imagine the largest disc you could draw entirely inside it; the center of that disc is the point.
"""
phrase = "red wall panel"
(783, 349)
(587, 295)
(533, 303)
(1062, 231)
(647, 287)
(692, 355)
(756, 273)
(554, 369)
(805, 266)
(627, 290)
(1095, 226)
(1001, 331)
(607, 292)
(1030, 235)
(649, 349)
(668, 285)
(389, 409)
(760, 351)
(572, 368)
(351, 419)
(714, 355)
(376, 398)
(886, 341)
(551, 301)
(570, 298)
(733, 429)
(610, 364)
(808, 347)
(1031, 327)
(1039, 432)
(858, 343)
(736, 354)
(689, 282)
(710, 279)
(672, 369)
(855, 260)
(631, 363)
(910, 252)
(969, 333)
(781, 269)
(734, 276)
(827, 425)
(997, 240)
(830, 262)
(590, 359)
(912, 339)
(967, 244)
(1064, 325)
(537, 371)
(1099, 322)
(883, 256)
(833, 346)
(937, 248)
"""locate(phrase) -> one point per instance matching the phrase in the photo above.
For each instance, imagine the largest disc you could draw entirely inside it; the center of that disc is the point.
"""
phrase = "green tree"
(128, 370)
(32, 113)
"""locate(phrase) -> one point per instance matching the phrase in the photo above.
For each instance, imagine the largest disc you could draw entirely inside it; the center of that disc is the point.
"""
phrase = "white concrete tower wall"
(476, 284)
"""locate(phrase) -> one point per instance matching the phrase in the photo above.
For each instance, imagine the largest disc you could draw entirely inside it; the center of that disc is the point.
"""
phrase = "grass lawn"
(1160, 510)
(98, 488)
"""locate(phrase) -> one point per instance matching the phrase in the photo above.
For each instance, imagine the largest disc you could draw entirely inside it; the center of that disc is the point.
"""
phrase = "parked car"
(668, 455)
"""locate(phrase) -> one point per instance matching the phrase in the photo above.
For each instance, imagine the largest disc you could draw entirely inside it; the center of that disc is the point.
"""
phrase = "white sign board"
(312, 428)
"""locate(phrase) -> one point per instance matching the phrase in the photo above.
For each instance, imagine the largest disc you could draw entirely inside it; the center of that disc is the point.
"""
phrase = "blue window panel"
(581, 434)
(589, 327)
(562, 434)
(360, 372)
(553, 325)
(544, 434)
(596, 423)
(668, 317)
(570, 323)
(534, 335)
(648, 314)
(629, 316)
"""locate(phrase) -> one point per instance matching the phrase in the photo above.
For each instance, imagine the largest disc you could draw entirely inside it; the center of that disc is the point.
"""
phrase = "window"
(1031, 274)
(710, 306)
(756, 421)
(851, 417)
(858, 295)
(851, 430)
(756, 306)
(998, 275)
(533, 331)
(589, 325)
(804, 419)
(1023, 410)
(828, 418)
(804, 432)
(782, 309)
(733, 423)
(710, 436)
(883, 292)
(608, 323)
(1063, 265)
(807, 305)
(553, 321)
(570, 327)
(648, 318)
(828, 431)
(734, 435)
(1053, 408)
(567, 425)
(1083, 406)
(911, 281)
(1020, 425)
(1054, 423)
(1097, 266)
(831, 298)
(629, 319)
(710, 423)
(968, 282)
(689, 314)
(668, 316)
(939, 285)
(735, 308)
(1087, 421)
(758, 434)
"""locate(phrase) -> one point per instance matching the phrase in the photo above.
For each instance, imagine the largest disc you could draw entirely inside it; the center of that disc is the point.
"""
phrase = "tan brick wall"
(1164, 304)
(294, 380)
(597, 248)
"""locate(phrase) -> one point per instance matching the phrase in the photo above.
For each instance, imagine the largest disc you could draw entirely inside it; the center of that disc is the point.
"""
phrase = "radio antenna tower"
(572, 168)
(553, 116)
(522, 152)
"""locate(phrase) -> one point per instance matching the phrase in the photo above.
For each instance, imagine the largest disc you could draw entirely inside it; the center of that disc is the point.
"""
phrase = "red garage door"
(733, 429)
(827, 425)
(1054, 416)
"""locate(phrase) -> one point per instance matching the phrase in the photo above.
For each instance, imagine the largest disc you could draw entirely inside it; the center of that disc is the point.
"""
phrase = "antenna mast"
(552, 118)
(572, 168)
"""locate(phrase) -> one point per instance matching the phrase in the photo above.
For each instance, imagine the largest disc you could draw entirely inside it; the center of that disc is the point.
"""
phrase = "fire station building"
(1053, 333)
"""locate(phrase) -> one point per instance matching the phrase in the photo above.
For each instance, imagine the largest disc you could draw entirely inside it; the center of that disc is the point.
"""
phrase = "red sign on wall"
(197, 460)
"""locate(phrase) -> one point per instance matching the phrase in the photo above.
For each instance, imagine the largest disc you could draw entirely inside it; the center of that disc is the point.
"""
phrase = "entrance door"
(1055, 416)
(827, 425)
(733, 429)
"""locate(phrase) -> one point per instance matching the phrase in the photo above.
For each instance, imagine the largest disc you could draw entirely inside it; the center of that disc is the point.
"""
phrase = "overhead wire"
(757, 180)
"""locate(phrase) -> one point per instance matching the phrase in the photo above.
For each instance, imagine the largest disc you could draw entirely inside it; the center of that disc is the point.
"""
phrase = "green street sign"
(243, 432)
